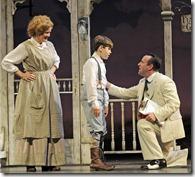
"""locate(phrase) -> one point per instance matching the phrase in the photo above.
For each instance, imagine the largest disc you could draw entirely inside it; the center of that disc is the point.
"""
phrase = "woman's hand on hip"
(27, 76)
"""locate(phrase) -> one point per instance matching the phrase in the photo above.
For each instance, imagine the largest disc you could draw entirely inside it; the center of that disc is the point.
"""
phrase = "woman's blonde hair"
(38, 25)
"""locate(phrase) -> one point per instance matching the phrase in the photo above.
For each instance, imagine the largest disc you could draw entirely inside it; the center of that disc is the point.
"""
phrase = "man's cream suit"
(155, 141)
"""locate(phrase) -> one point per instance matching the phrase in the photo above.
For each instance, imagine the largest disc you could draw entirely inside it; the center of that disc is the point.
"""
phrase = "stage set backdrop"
(135, 27)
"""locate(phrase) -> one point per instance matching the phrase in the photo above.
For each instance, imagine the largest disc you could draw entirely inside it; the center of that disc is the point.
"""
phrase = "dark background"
(136, 27)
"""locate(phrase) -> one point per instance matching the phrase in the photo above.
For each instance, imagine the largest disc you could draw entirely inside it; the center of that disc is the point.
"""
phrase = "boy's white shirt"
(90, 78)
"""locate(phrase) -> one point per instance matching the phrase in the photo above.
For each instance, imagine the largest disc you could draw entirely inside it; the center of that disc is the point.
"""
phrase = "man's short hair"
(155, 61)
(102, 40)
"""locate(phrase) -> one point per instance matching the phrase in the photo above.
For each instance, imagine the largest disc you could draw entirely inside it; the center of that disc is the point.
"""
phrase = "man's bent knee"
(143, 124)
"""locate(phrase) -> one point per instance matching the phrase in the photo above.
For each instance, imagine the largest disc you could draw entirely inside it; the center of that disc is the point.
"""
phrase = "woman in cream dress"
(38, 121)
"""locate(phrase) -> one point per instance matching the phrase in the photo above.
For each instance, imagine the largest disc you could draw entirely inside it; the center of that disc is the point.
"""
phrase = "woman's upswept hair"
(38, 25)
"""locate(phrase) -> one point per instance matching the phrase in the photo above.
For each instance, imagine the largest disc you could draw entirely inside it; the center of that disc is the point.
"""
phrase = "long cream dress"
(38, 121)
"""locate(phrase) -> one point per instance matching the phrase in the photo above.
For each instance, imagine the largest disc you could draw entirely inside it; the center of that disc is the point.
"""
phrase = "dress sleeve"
(56, 56)
(56, 59)
(16, 56)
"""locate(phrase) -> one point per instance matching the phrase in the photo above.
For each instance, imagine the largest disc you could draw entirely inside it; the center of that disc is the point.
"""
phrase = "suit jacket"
(163, 91)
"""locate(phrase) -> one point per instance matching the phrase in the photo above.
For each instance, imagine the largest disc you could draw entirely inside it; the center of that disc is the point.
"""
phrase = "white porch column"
(85, 8)
(167, 16)
(84, 54)
(73, 5)
(6, 85)
(80, 49)
(80, 34)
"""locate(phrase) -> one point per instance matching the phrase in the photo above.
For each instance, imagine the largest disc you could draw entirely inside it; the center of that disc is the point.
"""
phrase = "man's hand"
(151, 117)
(141, 116)
(96, 111)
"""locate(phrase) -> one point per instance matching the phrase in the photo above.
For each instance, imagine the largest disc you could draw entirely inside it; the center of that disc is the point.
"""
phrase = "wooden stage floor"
(121, 167)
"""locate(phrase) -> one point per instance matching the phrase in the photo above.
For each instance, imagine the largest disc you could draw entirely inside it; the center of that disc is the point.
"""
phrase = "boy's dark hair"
(102, 40)
(155, 61)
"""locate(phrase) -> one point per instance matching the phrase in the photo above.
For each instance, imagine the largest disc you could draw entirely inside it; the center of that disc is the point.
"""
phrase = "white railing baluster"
(61, 82)
(64, 86)
(69, 85)
(123, 125)
(134, 126)
(112, 127)
(123, 150)
(58, 85)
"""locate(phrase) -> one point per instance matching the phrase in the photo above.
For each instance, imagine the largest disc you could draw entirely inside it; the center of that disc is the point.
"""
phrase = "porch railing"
(64, 85)
(133, 146)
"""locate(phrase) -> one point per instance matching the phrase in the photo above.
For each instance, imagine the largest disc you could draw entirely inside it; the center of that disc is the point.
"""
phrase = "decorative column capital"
(167, 15)
(14, 3)
(92, 2)
(68, 4)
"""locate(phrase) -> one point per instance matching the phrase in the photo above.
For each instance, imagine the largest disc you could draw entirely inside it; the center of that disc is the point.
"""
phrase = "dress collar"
(35, 43)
